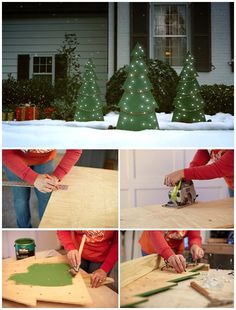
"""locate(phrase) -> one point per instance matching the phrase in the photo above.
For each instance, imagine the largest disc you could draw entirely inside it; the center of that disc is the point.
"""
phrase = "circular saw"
(181, 195)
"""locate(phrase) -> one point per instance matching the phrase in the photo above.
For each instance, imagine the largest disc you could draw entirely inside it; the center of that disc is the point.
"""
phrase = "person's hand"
(74, 258)
(45, 183)
(174, 177)
(55, 180)
(178, 262)
(196, 252)
(98, 277)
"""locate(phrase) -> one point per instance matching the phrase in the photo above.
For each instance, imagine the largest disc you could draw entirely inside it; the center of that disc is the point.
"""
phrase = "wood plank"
(136, 268)
(76, 293)
(90, 201)
(212, 214)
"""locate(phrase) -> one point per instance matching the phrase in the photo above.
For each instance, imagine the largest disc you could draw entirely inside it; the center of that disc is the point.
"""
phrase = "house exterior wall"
(45, 35)
(221, 49)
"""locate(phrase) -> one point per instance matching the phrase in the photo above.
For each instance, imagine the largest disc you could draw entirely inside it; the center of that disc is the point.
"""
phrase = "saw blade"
(24, 184)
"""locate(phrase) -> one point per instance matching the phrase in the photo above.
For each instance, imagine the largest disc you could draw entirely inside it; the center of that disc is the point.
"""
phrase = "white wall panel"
(44, 240)
(142, 176)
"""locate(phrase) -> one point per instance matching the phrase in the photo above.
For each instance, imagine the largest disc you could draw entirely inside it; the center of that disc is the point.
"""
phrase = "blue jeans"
(21, 195)
(89, 266)
(231, 192)
(144, 253)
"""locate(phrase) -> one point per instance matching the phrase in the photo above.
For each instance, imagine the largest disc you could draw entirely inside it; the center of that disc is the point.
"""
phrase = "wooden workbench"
(90, 201)
(183, 296)
(102, 297)
(212, 214)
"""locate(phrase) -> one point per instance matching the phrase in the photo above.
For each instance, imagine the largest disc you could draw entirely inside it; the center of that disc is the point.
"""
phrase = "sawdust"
(44, 275)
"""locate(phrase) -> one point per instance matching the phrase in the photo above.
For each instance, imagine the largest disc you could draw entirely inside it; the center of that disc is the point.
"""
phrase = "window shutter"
(23, 63)
(60, 66)
(139, 25)
(201, 35)
(232, 34)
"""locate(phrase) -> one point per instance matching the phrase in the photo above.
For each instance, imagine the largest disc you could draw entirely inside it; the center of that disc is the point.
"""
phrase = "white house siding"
(220, 43)
(45, 35)
(221, 49)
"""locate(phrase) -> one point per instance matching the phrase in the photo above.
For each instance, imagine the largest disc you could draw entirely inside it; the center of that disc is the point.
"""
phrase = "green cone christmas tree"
(189, 104)
(89, 103)
(137, 104)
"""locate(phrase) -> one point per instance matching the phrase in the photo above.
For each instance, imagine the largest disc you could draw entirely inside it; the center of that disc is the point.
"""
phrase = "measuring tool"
(24, 184)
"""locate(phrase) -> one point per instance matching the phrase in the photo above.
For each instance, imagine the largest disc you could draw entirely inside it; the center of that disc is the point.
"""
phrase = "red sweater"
(19, 162)
(100, 245)
(168, 243)
(222, 166)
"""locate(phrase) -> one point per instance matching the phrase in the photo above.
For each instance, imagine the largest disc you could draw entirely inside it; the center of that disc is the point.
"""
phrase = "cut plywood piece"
(131, 301)
(182, 295)
(136, 268)
(155, 281)
(211, 214)
(90, 201)
(27, 294)
(76, 293)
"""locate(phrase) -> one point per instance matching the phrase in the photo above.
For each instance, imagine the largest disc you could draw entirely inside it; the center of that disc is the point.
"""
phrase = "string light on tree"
(189, 104)
(89, 103)
(137, 105)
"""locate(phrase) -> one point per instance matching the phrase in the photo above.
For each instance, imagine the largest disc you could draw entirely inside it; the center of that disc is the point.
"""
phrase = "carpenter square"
(181, 195)
(24, 184)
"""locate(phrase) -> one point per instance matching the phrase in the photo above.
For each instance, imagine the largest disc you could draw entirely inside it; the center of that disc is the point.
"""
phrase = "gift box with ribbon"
(27, 112)
(32, 112)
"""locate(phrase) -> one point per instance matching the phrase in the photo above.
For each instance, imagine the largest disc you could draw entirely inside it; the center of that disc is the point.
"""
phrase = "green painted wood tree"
(188, 103)
(89, 103)
(137, 104)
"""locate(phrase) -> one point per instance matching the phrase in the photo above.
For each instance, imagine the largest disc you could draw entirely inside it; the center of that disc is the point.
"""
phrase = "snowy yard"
(218, 133)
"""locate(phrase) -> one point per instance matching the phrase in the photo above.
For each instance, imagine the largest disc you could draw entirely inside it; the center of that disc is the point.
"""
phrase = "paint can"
(24, 247)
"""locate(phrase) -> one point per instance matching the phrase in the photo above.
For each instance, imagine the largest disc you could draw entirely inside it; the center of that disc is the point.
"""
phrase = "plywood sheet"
(90, 201)
(212, 214)
(76, 293)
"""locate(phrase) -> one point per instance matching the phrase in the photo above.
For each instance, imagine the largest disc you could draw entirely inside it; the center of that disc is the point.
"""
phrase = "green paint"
(197, 268)
(184, 278)
(133, 304)
(44, 275)
(159, 290)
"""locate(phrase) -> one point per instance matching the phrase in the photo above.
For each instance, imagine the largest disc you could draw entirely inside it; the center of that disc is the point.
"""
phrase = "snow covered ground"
(218, 133)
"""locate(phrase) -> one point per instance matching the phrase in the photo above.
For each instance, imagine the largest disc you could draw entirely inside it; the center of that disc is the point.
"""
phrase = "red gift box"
(32, 112)
(26, 112)
(20, 112)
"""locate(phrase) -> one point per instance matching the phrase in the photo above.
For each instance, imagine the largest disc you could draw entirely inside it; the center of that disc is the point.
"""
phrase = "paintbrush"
(75, 269)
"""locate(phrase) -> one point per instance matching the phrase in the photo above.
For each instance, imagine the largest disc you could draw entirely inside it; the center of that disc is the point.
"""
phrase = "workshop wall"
(142, 176)
(44, 240)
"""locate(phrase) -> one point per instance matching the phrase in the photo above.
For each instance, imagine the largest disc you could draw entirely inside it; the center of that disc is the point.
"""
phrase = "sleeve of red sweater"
(112, 255)
(159, 243)
(65, 239)
(221, 168)
(68, 161)
(200, 158)
(15, 163)
(194, 237)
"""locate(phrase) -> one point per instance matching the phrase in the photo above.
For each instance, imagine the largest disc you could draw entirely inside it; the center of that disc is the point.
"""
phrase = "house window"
(170, 33)
(42, 68)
